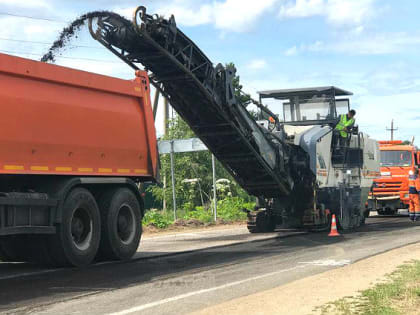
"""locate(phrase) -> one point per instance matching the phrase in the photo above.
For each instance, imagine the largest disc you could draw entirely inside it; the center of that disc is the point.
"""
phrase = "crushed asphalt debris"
(71, 30)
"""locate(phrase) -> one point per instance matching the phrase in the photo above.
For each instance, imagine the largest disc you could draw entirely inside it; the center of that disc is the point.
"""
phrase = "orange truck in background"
(390, 191)
(74, 147)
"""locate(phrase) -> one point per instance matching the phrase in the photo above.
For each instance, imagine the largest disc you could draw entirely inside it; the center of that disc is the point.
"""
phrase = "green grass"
(159, 219)
(398, 294)
(228, 210)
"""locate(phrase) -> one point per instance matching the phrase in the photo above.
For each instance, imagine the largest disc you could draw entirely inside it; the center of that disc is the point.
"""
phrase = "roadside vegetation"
(398, 294)
(194, 189)
(229, 210)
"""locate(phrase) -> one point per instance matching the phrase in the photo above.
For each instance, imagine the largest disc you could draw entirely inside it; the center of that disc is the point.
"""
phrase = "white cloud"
(225, 15)
(349, 12)
(292, 51)
(239, 15)
(19, 28)
(257, 64)
(336, 12)
(377, 44)
(104, 68)
(188, 13)
(399, 107)
(386, 43)
(127, 12)
(302, 8)
(26, 4)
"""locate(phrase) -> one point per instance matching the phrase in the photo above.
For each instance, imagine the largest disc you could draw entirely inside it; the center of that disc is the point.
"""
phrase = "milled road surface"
(160, 281)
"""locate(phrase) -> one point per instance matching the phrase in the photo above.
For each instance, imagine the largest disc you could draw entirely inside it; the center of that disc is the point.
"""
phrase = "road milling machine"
(293, 165)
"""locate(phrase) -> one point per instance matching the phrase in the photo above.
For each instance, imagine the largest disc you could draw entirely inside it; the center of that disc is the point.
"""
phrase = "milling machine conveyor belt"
(202, 95)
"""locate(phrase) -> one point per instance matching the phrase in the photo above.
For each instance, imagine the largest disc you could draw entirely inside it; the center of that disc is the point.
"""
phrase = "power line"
(31, 17)
(45, 43)
(64, 57)
(35, 42)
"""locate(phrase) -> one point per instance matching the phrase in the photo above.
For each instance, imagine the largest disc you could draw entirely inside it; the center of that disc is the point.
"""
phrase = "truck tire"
(121, 228)
(78, 235)
(366, 213)
(391, 210)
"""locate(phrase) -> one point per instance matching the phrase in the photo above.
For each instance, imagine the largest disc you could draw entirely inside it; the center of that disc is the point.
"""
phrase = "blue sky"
(369, 47)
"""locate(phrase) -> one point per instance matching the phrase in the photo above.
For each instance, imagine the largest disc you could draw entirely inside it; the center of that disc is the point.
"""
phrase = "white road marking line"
(327, 262)
(186, 295)
(25, 274)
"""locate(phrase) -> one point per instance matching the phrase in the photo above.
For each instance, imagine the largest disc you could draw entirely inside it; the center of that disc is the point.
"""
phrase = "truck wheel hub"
(81, 229)
(126, 224)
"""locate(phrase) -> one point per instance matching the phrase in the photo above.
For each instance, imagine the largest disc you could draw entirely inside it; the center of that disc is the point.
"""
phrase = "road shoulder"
(305, 295)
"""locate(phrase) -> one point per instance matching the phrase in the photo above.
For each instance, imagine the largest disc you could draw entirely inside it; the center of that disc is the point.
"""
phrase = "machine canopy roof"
(304, 93)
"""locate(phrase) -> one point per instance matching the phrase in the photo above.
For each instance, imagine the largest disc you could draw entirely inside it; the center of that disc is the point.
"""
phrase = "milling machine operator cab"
(310, 106)
(305, 108)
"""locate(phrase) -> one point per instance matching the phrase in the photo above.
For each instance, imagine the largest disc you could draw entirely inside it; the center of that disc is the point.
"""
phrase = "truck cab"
(390, 191)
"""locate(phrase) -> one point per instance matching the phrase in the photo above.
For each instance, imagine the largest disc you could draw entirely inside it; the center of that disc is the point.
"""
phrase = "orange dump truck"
(390, 191)
(74, 146)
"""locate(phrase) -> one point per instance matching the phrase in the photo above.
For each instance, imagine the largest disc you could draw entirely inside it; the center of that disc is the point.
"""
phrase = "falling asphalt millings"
(71, 30)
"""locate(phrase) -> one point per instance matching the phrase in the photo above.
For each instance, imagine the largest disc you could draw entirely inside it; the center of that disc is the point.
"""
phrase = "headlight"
(385, 173)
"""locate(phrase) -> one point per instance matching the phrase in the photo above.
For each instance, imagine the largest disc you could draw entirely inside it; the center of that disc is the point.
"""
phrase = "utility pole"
(165, 132)
(392, 129)
(213, 165)
(156, 103)
(173, 179)
(165, 116)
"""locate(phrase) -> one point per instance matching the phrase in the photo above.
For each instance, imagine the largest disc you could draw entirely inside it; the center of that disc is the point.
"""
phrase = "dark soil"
(71, 30)
(185, 225)
(189, 222)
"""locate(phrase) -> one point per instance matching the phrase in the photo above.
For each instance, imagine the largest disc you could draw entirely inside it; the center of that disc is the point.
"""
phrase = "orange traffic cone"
(334, 231)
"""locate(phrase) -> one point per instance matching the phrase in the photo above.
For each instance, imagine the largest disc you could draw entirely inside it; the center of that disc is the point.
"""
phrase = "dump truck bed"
(60, 121)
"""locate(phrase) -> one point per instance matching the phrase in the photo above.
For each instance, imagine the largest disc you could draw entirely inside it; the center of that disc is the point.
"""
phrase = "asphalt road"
(161, 281)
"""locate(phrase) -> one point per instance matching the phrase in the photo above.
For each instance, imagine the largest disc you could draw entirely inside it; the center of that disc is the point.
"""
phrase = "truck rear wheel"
(78, 235)
(121, 225)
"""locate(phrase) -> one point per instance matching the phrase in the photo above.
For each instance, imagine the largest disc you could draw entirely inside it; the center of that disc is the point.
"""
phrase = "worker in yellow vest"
(344, 125)
(413, 194)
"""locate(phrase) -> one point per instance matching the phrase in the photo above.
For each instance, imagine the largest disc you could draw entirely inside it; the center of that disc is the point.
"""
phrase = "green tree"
(193, 173)
(241, 96)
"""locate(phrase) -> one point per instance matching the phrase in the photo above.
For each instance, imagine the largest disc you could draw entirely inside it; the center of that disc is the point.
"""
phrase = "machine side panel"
(371, 161)
(325, 173)
(308, 141)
